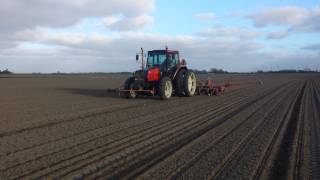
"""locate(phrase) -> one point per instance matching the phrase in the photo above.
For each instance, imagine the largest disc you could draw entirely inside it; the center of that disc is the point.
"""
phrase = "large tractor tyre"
(129, 85)
(165, 88)
(179, 91)
(190, 84)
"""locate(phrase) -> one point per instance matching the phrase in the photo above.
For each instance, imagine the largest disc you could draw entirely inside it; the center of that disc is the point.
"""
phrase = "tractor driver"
(167, 63)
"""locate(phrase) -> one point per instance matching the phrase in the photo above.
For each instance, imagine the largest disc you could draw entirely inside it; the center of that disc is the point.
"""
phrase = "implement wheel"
(129, 85)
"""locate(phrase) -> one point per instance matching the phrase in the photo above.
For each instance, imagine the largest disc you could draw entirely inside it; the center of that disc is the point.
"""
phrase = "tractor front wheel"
(165, 88)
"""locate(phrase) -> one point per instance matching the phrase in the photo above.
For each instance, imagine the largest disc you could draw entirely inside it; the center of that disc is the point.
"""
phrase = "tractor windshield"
(155, 59)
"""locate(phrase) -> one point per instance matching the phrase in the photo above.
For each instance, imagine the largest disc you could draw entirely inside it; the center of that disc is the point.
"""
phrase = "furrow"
(285, 154)
(79, 155)
(207, 146)
(173, 148)
(247, 154)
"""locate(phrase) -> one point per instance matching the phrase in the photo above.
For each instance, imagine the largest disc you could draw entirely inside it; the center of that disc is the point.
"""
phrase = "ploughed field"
(71, 127)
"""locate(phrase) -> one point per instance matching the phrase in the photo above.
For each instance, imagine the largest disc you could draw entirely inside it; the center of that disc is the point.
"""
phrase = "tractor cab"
(163, 59)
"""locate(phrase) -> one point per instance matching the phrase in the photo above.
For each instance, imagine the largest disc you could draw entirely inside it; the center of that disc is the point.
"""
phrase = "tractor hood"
(140, 74)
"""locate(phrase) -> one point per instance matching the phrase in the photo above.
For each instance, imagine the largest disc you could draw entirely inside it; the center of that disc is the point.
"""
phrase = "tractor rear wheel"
(129, 85)
(165, 88)
(190, 84)
(179, 82)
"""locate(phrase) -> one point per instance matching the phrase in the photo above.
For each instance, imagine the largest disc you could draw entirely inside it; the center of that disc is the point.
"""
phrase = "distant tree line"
(307, 70)
(211, 70)
(82, 73)
(6, 71)
(221, 71)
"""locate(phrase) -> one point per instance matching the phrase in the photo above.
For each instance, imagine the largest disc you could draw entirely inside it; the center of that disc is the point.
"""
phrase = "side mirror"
(137, 57)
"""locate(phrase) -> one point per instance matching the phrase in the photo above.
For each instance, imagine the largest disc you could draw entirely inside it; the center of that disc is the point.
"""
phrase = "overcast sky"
(105, 35)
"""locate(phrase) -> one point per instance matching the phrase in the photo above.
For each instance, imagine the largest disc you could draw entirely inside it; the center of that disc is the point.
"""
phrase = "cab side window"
(170, 60)
(175, 58)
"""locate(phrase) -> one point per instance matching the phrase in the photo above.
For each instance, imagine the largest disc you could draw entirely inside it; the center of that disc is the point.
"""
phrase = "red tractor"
(163, 75)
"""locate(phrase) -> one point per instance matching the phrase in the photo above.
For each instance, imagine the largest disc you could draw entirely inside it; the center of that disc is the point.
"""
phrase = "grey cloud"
(7, 44)
(85, 52)
(231, 32)
(297, 19)
(128, 23)
(134, 39)
(18, 15)
(93, 52)
(313, 47)
(277, 35)
(205, 16)
(25, 20)
(102, 53)
(7, 41)
(292, 60)
(289, 15)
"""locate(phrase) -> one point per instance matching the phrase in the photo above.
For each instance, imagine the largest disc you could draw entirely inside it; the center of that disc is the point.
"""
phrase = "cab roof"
(163, 51)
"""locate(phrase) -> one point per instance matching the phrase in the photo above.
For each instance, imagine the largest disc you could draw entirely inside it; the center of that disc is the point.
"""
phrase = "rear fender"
(177, 71)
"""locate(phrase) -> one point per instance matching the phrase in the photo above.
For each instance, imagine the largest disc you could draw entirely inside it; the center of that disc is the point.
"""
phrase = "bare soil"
(265, 127)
